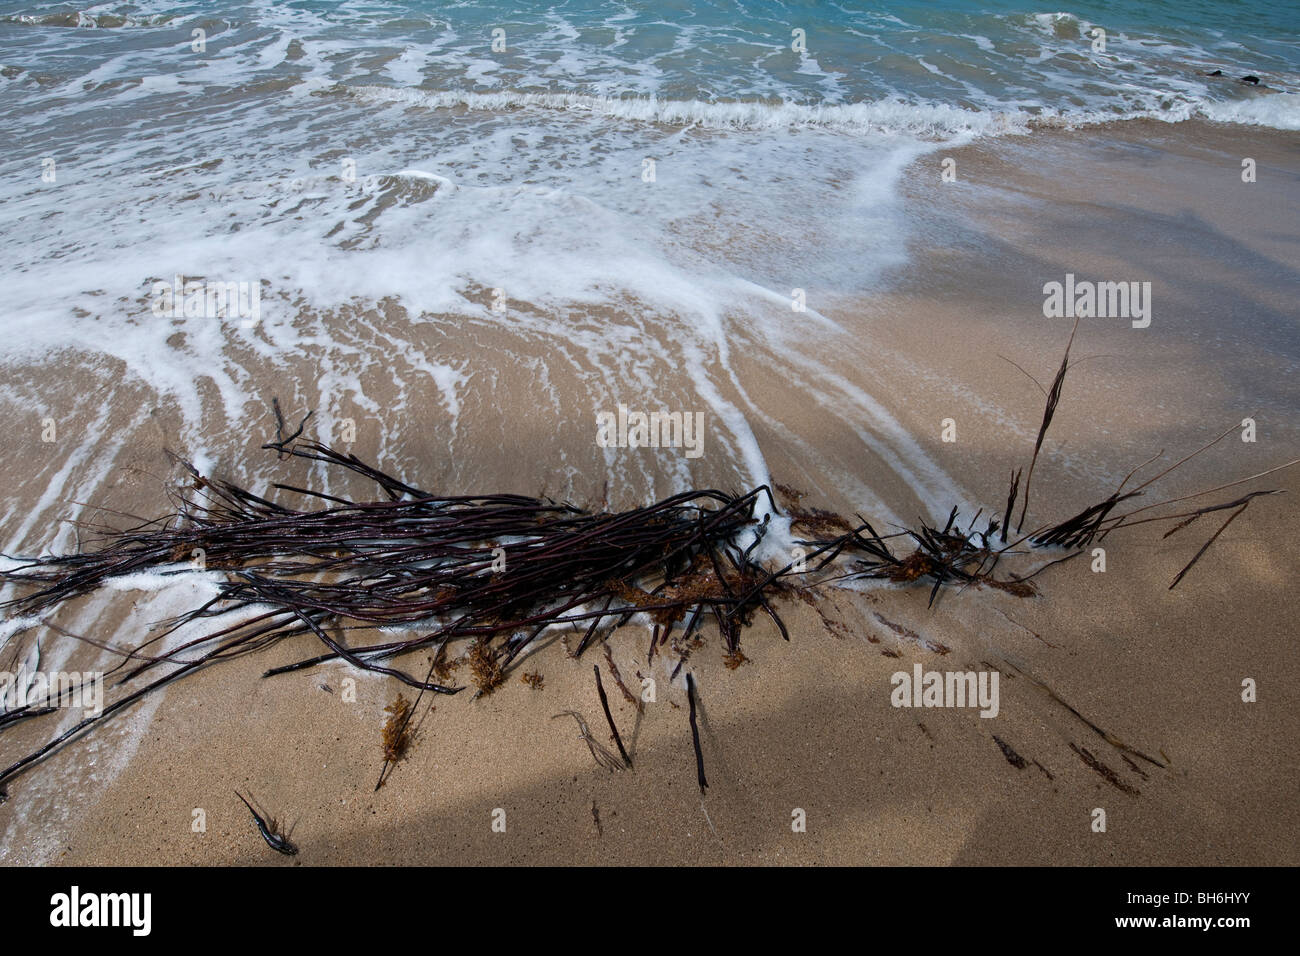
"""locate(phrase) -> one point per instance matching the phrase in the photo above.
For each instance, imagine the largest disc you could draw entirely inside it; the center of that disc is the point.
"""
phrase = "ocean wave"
(1278, 110)
(892, 116)
(1060, 26)
(88, 20)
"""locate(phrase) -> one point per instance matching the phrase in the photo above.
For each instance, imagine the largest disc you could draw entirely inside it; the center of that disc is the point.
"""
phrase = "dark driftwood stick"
(695, 734)
(604, 702)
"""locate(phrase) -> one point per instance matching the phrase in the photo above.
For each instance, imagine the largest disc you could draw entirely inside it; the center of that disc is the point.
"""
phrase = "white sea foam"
(1279, 111)
(883, 116)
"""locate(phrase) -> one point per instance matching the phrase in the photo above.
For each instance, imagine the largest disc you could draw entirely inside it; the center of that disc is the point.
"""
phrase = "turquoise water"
(980, 56)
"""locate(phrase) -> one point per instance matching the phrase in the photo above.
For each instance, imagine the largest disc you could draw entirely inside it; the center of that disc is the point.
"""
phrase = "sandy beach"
(1097, 668)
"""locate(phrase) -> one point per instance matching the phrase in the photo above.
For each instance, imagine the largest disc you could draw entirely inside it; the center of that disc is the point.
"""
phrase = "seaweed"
(1099, 768)
(599, 753)
(411, 559)
(695, 735)
(1009, 752)
(1049, 411)
(618, 680)
(397, 735)
(485, 666)
(613, 728)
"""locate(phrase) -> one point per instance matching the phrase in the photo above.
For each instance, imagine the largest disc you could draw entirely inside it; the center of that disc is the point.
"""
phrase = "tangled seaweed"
(499, 570)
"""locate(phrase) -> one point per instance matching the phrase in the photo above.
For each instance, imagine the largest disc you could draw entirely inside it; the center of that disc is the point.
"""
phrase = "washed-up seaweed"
(416, 561)
(497, 571)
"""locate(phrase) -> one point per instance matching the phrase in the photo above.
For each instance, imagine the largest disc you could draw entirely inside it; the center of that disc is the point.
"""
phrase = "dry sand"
(808, 725)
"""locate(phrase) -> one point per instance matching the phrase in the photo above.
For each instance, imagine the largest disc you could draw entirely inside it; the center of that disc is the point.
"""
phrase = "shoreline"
(809, 725)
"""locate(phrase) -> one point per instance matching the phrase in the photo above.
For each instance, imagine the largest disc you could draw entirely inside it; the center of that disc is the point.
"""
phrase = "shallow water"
(453, 245)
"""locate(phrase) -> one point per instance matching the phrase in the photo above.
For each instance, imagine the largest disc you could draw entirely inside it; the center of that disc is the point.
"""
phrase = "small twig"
(1205, 547)
(604, 702)
(618, 678)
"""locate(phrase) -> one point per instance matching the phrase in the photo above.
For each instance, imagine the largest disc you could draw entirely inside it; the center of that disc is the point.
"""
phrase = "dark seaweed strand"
(1011, 504)
(604, 703)
(1206, 547)
(695, 734)
(1049, 411)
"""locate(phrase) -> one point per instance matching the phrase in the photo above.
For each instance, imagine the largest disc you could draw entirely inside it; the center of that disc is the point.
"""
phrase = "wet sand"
(806, 725)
